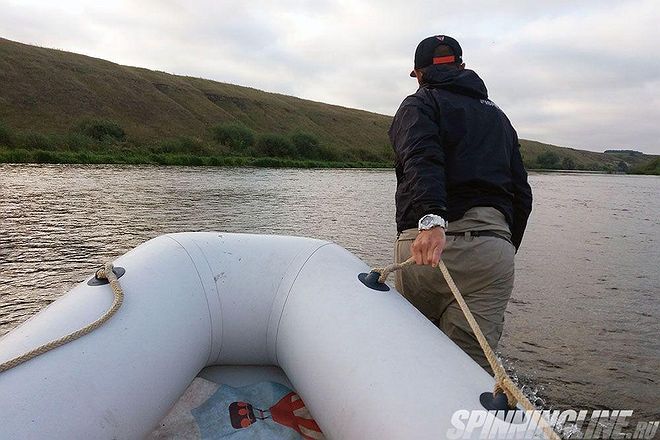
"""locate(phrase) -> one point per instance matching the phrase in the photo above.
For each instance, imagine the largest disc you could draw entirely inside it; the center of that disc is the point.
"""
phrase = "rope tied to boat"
(503, 383)
(105, 273)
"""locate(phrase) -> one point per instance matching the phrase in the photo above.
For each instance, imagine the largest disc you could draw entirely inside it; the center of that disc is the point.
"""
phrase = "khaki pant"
(483, 270)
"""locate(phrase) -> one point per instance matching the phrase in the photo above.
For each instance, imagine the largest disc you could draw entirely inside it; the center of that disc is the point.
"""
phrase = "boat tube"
(367, 364)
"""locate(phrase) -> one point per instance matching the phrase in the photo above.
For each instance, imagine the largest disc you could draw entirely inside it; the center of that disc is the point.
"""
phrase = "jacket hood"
(464, 82)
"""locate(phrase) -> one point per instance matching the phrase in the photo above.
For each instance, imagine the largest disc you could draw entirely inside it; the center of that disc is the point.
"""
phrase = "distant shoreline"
(12, 156)
(37, 157)
(542, 170)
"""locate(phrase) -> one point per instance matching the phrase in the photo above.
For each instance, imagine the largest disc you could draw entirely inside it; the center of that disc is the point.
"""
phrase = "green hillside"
(57, 106)
(50, 91)
(545, 156)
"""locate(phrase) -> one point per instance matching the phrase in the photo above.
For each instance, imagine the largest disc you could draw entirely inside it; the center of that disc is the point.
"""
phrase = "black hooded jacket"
(454, 150)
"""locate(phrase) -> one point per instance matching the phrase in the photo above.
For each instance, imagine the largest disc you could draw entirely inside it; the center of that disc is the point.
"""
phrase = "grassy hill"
(47, 95)
(544, 156)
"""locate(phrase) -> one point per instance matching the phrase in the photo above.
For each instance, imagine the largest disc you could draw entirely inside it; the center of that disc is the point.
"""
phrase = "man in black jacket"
(462, 193)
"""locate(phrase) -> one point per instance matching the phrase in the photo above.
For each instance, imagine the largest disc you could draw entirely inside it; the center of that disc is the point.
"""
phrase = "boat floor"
(242, 375)
(203, 410)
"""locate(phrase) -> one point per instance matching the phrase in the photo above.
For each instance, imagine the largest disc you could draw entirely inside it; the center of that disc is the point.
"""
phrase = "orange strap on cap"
(444, 60)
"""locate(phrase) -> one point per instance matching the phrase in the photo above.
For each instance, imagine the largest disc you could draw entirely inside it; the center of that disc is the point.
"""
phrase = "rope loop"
(105, 272)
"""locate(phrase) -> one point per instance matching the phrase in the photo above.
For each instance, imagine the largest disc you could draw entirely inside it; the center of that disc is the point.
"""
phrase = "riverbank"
(25, 156)
(105, 142)
(97, 158)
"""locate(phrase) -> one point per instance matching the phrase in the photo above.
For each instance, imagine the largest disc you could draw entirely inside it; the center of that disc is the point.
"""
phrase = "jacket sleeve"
(522, 196)
(415, 136)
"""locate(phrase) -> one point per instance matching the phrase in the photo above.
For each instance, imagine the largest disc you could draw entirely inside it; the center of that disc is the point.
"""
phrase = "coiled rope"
(105, 273)
(503, 383)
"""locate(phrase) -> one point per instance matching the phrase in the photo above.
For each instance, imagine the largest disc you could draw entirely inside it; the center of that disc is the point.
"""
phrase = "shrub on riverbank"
(548, 160)
(6, 136)
(101, 129)
(76, 142)
(306, 145)
(274, 145)
(237, 137)
(182, 145)
(33, 140)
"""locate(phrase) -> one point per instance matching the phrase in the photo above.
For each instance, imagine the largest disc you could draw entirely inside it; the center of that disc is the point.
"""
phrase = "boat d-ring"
(371, 280)
(96, 281)
(499, 404)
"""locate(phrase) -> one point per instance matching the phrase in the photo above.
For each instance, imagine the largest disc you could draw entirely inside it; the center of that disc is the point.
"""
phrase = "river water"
(582, 329)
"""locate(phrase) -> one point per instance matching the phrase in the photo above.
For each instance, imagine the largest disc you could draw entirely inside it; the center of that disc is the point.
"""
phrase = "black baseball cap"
(425, 49)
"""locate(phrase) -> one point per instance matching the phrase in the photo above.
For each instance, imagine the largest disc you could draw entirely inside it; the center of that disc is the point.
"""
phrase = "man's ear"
(420, 75)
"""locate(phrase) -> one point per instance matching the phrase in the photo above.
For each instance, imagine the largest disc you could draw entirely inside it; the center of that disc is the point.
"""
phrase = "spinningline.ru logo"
(570, 424)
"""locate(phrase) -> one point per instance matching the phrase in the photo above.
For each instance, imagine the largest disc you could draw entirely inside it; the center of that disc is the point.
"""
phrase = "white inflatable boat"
(238, 309)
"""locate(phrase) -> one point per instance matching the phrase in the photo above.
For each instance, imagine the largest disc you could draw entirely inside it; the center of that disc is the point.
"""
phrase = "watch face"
(426, 221)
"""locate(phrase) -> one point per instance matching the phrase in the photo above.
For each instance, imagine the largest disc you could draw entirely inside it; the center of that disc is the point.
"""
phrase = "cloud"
(583, 74)
(588, 79)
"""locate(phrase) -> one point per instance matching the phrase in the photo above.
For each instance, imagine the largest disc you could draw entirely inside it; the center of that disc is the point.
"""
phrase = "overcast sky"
(584, 74)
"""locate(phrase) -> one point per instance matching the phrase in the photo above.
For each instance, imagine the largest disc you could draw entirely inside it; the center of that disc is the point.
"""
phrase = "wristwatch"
(431, 220)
